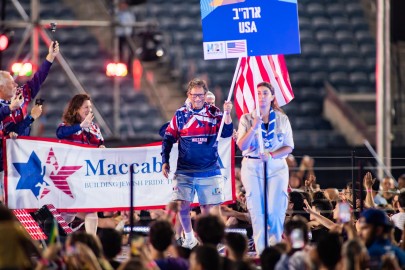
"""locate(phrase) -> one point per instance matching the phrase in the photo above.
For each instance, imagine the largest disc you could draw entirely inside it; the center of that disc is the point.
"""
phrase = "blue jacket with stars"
(196, 131)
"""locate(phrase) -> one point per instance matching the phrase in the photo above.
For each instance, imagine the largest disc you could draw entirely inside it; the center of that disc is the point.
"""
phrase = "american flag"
(236, 47)
(255, 69)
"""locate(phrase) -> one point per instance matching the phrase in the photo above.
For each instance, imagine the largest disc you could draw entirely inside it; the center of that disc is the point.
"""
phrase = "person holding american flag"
(266, 163)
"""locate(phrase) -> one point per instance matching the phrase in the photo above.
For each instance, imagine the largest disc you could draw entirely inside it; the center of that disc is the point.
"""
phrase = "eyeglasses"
(194, 96)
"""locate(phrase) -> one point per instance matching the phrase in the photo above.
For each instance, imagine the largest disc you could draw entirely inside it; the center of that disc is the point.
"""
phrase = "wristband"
(151, 265)
(44, 261)
(31, 118)
(369, 190)
(271, 154)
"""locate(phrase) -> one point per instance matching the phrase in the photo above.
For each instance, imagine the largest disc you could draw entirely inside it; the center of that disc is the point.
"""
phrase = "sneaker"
(190, 243)
(179, 241)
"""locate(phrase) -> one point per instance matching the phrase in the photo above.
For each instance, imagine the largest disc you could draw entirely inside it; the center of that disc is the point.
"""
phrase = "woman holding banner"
(273, 129)
(78, 127)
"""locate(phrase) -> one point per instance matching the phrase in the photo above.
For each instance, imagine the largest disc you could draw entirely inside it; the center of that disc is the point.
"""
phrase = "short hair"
(209, 93)
(325, 207)
(89, 240)
(6, 214)
(269, 257)
(319, 195)
(161, 235)
(297, 222)
(210, 229)
(329, 249)
(237, 243)
(3, 75)
(207, 256)
(111, 240)
(376, 185)
(401, 199)
(197, 82)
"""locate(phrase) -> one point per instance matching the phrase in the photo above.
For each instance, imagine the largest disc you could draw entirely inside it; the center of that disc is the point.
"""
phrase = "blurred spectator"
(296, 205)
(301, 172)
(296, 237)
(205, 257)
(16, 246)
(329, 251)
(92, 242)
(210, 98)
(332, 194)
(161, 236)
(236, 246)
(401, 182)
(387, 189)
(111, 241)
(324, 208)
(270, 257)
(354, 255)
(210, 229)
(399, 218)
(124, 32)
(374, 230)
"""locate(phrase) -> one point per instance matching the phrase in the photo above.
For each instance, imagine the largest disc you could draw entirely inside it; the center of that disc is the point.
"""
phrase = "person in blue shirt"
(375, 228)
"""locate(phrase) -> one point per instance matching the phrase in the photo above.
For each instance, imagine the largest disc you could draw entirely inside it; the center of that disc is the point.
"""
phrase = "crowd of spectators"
(320, 232)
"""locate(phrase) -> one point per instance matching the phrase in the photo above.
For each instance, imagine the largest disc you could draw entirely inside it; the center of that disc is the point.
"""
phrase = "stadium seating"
(336, 47)
(87, 60)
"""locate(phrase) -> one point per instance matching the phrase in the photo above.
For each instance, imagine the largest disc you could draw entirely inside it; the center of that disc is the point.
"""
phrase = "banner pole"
(261, 147)
(131, 202)
(235, 75)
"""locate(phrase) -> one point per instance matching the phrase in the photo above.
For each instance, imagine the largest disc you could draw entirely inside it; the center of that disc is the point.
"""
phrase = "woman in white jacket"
(278, 142)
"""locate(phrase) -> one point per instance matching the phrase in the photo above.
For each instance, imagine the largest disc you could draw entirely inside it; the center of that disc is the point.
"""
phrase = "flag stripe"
(253, 70)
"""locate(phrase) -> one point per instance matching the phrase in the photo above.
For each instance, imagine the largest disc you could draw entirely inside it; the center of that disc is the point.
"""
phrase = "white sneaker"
(190, 243)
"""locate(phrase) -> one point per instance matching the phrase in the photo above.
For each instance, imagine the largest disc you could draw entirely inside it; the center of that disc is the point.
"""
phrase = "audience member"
(296, 237)
(111, 241)
(161, 236)
(374, 230)
(205, 257)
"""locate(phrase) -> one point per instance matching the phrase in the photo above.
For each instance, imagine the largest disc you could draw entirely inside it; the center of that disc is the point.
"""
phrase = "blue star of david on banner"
(31, 174)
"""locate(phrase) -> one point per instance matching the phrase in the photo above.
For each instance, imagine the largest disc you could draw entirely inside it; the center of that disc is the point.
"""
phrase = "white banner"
(77, 178)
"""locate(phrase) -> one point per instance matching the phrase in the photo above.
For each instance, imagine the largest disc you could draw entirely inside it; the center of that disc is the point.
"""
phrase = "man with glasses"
(196, 128)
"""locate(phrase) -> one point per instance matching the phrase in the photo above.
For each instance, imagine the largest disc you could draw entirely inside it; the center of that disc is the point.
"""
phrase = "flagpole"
(235, 75)
(261, 147)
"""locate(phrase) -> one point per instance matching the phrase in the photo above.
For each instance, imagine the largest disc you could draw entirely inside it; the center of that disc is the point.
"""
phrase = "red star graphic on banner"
(59, 178)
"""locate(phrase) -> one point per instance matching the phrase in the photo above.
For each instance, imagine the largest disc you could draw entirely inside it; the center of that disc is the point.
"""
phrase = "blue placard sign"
(239, 28)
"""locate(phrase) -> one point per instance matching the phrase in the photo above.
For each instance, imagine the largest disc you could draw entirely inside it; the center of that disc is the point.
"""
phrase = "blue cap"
(376, 217)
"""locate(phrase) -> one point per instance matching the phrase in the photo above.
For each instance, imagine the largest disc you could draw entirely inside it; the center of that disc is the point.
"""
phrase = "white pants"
(252, 174)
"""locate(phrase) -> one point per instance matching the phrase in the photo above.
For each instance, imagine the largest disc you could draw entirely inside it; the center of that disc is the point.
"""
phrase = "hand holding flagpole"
(235, 75)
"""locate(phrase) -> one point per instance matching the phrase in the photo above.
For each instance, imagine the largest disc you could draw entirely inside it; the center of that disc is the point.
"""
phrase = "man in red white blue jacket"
(196, 128)
(15, 120)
